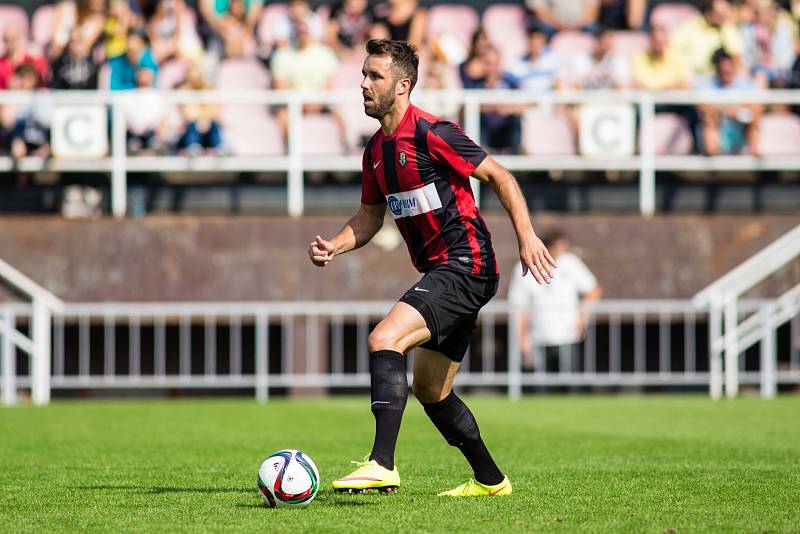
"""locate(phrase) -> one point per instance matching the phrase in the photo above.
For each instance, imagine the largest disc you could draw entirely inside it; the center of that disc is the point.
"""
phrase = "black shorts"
(449, 300)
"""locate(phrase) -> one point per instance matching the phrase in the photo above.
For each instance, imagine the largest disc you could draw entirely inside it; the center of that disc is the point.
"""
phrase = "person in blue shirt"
(124, 67)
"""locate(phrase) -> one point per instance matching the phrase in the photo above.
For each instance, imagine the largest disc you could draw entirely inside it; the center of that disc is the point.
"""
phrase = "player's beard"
(381, 104)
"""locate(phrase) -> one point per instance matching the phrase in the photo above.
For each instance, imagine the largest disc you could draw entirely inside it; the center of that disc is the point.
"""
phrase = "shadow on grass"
(162, 489)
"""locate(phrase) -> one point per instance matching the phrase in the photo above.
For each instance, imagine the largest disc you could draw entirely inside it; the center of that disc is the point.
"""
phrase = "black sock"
(388, 393)
(458, 426)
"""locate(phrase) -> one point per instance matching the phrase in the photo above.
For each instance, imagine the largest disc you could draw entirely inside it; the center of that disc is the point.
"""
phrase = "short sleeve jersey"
(421, 171)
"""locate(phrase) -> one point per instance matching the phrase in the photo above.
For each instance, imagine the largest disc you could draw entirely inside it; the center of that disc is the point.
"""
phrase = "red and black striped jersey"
(422, 172)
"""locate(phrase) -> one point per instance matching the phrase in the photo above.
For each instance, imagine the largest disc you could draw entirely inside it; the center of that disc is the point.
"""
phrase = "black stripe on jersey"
(454, 234)
(405, 224)
(460, 143)
(489, 266)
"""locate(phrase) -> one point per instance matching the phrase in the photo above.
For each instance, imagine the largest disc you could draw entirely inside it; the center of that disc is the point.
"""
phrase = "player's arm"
(532, 252)
(356, 233)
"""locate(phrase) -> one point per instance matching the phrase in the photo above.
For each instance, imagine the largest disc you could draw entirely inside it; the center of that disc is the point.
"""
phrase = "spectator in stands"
(602, 69)
(404, 20)
(623, 14)
(170, 35)
(769, 45)
(16, 55)
(138, 56)
(556, 15)
(145, 115)
(212, 10)
(88, 16)
(501, 125)
(237, 38)
(349, 27)
(660, 67)
(308, 65)
(438, 75)
(540, 67)
(30, 123)
(202, 131)
(119, 20)
(699, 37)
(76, 67)
(553, 317)
(728, 129)
(473, 70)
(286, 29)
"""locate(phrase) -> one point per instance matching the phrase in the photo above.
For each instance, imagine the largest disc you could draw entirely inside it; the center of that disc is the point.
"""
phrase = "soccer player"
(419, 166)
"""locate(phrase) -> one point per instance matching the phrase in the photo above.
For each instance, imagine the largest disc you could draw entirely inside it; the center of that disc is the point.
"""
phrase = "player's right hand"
(321, 252)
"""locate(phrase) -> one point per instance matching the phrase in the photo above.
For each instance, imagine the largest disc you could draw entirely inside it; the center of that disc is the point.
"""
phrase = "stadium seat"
(347, 75)
(42, 25)
(14, 16)
(628, 43)
(358, 127)
(567, 44)
(242, 73)
(459, 20)
(321, 135)
(172, 73)
(269, 15)
(672, 135)
(505, 26)
(672, 15)
(545, 133)
(779, 134)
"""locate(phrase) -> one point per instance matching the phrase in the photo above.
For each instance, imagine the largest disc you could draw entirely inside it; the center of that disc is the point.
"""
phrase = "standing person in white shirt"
(553, 316)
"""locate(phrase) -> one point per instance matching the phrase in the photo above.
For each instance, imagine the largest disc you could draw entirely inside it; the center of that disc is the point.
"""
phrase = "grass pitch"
(587, 464)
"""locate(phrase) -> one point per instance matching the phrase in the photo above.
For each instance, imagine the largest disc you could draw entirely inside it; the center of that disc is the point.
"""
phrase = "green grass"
(588, 464)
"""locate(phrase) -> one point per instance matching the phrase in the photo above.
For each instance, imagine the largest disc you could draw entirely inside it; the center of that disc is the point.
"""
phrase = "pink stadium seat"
(547, 134)
(348, 74)
(321, 135)
(172, 73)
(254, 133)
(672, 135)
(269, 15)
(672, 15)
(358, 127)
(13, 16)
(780, 134)
(505, 26)
(628, 43)
(242, 74)
(42, 24)
(567, 44)
(458, 19)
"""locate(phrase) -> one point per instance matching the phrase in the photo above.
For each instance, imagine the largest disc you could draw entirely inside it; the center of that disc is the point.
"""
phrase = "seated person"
(76, 67)
(137, 56)
(88, 16)
(201, 131)
(286, 29)
(540, 67)
(145, 115)
(29, 131)
(501, 125)
(602, 69)
(623, 14)
(660, 67)
(349, 27)
(552, 16)
(15, 55)
(472, 71)
(237, 38)
(403, 20)
(729, 129)
(769, 45)
(170, 34)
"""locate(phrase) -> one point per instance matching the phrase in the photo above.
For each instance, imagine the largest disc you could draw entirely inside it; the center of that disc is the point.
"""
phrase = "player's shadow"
(163, 489)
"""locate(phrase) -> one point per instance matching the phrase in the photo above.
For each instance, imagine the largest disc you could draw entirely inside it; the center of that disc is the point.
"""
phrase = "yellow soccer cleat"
(473, 488)
(368, 476)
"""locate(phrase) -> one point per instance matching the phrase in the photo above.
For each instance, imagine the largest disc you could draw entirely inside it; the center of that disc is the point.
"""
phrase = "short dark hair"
(552, 236)
(404, 56)
(720, 55)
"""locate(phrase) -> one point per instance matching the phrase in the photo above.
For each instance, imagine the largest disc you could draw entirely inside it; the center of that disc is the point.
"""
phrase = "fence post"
(514, 355)
(119, 148)
(715, 354)
(647, 169)
(9, 361)
(472, 127)
(262, 362)
(768, 354)
(731, 348)
(295, 149)
(40, 365)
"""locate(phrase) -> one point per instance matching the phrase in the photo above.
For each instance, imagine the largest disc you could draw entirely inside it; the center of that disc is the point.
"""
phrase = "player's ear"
(403, 86)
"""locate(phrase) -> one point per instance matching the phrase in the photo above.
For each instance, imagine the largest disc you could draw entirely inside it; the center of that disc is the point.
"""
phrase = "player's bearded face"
(379, 104)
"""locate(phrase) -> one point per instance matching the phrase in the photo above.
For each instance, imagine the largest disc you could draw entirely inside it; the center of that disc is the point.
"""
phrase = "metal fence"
(286, 346)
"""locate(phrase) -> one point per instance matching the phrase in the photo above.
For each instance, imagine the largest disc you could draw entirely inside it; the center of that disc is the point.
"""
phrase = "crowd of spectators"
(123, 45)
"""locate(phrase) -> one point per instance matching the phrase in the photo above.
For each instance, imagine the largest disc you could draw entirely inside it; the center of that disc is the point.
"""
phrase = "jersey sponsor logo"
(414, 202)
(403, 159)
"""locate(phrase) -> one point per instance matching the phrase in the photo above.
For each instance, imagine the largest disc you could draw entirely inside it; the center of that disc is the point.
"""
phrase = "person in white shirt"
(553, 316)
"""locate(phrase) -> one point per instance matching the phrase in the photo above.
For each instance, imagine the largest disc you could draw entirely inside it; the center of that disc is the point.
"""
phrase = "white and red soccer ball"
(288, 478)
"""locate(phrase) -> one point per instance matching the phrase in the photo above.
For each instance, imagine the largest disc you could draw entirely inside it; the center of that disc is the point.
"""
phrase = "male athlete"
(419, 165)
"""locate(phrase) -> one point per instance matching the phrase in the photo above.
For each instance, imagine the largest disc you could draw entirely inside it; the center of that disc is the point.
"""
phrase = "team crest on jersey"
(403, 159)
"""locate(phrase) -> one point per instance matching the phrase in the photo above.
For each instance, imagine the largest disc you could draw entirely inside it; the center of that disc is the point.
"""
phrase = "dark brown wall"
(260, 258)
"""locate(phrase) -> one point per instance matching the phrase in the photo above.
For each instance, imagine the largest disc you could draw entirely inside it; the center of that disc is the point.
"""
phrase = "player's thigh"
(403, 328)
(433, 375)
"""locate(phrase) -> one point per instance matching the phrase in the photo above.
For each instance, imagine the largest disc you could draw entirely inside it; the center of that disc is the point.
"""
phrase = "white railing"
(37, 345)
(278, 345)
(294, 163)
(727, 336)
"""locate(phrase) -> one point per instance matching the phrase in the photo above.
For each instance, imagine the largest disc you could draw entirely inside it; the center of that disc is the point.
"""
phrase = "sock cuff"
(389, 354)
(444, 404)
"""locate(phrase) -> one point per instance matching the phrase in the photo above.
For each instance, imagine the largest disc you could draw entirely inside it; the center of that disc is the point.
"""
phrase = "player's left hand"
(537, 259)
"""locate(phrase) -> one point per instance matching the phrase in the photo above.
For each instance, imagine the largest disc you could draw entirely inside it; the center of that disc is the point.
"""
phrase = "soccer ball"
(288, 478)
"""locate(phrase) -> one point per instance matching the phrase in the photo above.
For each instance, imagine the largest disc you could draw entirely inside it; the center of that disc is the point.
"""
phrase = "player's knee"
(428, 393)
(382, 339)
